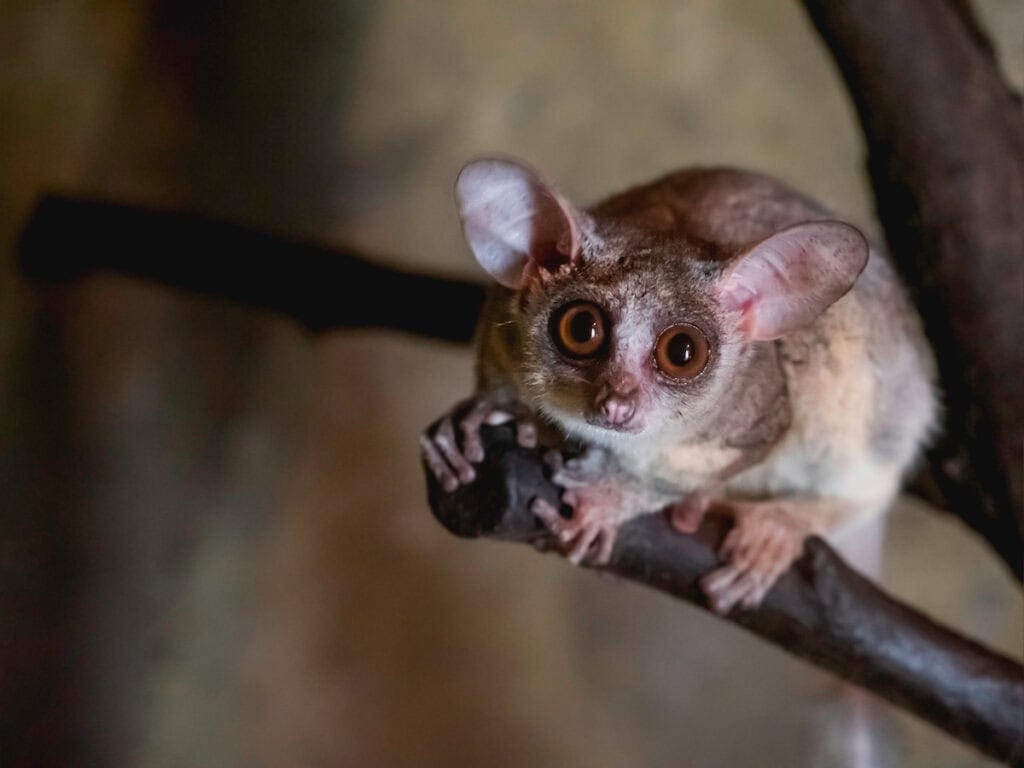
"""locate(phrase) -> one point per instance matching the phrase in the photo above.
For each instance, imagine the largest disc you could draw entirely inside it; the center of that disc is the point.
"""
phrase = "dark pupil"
(583, 327)
(680, 349)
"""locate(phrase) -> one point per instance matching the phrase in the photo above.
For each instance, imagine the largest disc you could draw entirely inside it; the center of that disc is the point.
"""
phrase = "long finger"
(582, 545)
(445, 440)
(771, 561)
(753, 598)
(548, 514)
(729, 543)
(438, 466)
(472, 448)
(723, 600)
(719, 579)
(604, 552)
(745, 552)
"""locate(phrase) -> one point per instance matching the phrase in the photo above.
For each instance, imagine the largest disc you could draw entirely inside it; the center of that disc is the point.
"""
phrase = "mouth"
(632, 426)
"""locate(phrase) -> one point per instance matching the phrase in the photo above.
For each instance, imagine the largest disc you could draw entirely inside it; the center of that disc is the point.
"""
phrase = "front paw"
(588, 536)
(761, 546)
(451, 460)
(596, 502)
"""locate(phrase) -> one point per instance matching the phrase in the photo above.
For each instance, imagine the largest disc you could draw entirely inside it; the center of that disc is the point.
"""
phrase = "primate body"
(715, 340)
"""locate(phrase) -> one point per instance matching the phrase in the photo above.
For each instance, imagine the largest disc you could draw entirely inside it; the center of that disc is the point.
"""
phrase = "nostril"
(617, 410)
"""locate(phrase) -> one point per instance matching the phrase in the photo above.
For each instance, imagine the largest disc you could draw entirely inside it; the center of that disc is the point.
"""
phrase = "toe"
(729, 543)
(726, 599)
(606, 546)
(719, 579)
(548, 514)
(756, 595)
(581, 547)
(445, 440)
(726, 587)
(437, 465)
(479, 414)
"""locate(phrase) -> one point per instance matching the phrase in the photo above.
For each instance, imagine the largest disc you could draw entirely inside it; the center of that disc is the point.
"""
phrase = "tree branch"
(945, 138)
(321, 288)
(821, 610)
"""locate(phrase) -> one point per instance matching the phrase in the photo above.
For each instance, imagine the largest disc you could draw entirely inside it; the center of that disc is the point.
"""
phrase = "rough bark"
(945, 141)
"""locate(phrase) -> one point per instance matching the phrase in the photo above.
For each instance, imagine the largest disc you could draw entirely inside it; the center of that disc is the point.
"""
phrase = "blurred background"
(214, 543)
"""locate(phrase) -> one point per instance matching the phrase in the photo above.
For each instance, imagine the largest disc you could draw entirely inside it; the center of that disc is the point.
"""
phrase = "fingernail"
(468, 475)
(450, 484)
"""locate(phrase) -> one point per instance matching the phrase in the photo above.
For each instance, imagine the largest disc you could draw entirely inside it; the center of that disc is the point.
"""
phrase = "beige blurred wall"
(256, 577)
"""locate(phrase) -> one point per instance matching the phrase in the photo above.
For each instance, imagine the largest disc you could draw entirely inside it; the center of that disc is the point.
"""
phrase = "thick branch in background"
(945, 139)
(321, 288)
(821, 610)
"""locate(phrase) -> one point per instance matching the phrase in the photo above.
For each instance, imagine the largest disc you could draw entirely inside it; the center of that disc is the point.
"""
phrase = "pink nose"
(618, 410)
(616, 399)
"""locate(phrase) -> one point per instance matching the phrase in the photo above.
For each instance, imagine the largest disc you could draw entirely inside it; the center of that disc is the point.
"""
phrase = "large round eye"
(579, 329)
(681, 352)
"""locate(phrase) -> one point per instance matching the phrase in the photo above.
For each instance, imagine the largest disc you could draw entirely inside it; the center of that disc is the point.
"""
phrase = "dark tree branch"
(945, 138)
(320, 287)
(821, 610)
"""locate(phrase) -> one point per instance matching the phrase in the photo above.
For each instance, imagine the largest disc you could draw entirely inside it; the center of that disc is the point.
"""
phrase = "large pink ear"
(513, 220)
(787, 280)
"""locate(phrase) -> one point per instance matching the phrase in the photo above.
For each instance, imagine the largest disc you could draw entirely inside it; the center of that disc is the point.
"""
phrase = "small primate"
(714, 339)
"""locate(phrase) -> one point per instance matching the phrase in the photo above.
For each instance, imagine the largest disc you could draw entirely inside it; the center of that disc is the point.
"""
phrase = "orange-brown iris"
(579, 330)
(682, 351)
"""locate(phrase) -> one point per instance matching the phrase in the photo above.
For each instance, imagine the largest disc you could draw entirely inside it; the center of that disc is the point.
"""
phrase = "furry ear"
(788, 279)
(514, 222)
